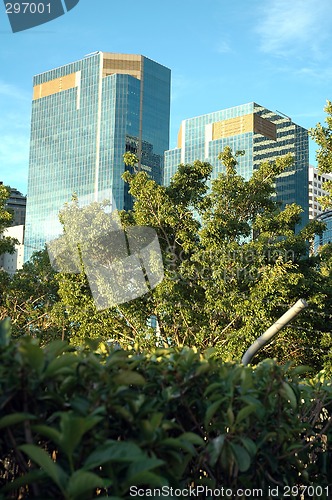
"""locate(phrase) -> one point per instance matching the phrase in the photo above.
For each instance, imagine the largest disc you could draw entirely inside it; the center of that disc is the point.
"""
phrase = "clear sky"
(222, 53)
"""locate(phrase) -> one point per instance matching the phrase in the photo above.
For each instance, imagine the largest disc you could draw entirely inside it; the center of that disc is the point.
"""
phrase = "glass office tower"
(261, 133)
(85, 116)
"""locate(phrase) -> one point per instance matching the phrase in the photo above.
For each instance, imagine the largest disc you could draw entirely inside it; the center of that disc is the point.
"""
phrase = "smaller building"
(316, 190)
(11, 262)
(326, 237)
(16, 203)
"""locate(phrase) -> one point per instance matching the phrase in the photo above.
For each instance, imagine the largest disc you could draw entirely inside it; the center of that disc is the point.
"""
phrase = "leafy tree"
(233, 264)
(237, 267)
(30, 298)
(93, 233)
(322, 134)
(7, 244)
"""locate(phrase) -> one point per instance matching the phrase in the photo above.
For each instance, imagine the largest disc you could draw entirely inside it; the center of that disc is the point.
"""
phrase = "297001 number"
(306, 491)
(28, 8)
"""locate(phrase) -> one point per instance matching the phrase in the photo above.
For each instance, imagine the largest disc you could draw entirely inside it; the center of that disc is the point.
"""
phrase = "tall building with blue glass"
(261, 133)
(85, 116)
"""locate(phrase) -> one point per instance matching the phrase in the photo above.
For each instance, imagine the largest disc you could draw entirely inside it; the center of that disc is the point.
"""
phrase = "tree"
(233, 264)
(322, 135)
(30, 298)
(84, 256)
(7, 244)
(231, 271)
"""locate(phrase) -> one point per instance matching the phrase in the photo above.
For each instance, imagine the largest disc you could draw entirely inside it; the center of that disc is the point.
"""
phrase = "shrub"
(93, 422)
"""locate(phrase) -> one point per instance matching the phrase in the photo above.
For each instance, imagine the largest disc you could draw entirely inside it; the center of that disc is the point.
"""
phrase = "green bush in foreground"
(78, 424)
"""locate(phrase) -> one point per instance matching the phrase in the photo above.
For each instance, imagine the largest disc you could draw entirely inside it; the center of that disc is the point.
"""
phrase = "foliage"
(79, 424)
(233, 264)
(95, 248)
(7, 244)
(30, 298)
(234, 261)
(323, 137)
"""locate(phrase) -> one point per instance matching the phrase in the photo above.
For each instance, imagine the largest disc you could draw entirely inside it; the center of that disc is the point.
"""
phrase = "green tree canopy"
(322, 135)
(233, 264)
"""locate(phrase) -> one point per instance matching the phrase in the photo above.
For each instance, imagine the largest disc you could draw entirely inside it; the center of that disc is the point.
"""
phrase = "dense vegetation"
(94, 400)
(80, 424)
(233, 264)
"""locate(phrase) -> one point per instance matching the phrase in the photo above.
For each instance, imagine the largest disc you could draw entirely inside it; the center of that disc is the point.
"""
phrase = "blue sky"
(221, 53)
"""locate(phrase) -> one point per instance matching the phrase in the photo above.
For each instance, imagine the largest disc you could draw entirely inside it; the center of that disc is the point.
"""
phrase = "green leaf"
(242, 457)
(259, 407)
(72, 429)
(15, 418)
(249, 445)
(215, 386)
(44, 461)
(192, 438)
(48, 432)
(230, 415)
(211, 411)
(287, 393)
(114, 451)
(180, 444)
(202, 368)
(128, 377)
(246, 379)
(83, 482)
(244, 412)
(61, 364)
(172, 443)
(299, 370)
(5, 332)
(55, 348)
(144, 465)
(33, 355)
(156, 419)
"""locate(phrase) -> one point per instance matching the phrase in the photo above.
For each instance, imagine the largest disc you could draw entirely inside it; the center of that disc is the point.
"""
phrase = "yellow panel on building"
(54, 86)
(125, 64)
(180, 137)
(233, 126)
(242, 125)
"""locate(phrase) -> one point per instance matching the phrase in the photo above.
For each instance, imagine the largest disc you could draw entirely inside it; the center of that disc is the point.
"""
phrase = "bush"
(92, 423)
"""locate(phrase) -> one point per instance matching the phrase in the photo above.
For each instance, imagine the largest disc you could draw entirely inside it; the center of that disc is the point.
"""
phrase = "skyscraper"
(85, 116)
(261, 133)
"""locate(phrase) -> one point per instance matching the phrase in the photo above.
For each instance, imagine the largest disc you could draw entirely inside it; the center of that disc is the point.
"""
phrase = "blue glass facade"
(261, 133)
(326, 237)
(85, 116)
